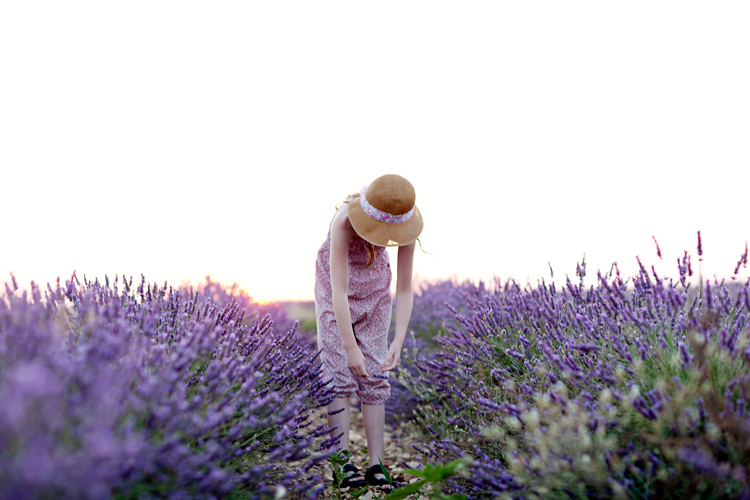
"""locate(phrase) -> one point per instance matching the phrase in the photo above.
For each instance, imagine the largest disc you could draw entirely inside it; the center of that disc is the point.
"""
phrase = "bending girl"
(353, 307)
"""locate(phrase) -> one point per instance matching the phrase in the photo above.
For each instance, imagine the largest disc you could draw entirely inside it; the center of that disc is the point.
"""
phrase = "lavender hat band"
(379, 214)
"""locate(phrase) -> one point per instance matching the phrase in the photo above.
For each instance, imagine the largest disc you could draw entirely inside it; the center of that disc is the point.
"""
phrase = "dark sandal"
(348, 481)
(383, 483)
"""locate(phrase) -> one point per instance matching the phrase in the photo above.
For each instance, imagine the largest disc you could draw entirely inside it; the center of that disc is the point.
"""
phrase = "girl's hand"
(392, 359)
(355, 360)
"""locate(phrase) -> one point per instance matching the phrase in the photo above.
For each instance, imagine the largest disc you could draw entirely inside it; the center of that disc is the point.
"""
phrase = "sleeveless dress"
(370, 304)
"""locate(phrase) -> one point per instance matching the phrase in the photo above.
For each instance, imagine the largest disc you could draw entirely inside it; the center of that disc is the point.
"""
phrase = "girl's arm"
(341, 233)
(404, 301)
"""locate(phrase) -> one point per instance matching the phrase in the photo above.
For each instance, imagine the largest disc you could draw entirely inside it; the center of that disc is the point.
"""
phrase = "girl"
(353, 307)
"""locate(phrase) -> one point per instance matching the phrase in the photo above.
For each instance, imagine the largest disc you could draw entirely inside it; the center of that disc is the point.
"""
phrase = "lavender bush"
(223, 296)
(632, 388)
(116, 390)
(430, 319)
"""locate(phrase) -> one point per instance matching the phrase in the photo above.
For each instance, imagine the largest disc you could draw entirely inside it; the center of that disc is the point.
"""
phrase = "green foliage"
(338, 461)
(308, 325)
(434, 475)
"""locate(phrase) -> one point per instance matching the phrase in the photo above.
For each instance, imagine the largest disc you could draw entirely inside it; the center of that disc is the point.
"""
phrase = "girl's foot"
(376, 476)
(352, 477)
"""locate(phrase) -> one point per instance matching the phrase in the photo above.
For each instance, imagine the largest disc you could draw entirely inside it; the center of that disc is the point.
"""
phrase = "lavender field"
(627, 387)
(630, 388)
(134, 390)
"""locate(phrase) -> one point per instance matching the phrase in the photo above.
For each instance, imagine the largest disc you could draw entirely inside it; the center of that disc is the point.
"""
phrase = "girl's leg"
(374, 420)
(341, 419)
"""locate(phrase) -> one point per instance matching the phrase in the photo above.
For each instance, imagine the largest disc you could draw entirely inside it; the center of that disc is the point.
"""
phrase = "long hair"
(369, 247)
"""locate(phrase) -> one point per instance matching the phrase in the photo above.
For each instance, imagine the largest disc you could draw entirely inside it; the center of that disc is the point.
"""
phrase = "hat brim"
(383, 234)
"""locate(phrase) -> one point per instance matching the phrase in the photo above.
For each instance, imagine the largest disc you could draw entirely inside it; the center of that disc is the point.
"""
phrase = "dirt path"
(399, 456)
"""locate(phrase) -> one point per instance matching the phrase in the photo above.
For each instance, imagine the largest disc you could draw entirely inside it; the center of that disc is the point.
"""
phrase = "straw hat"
(385, 214)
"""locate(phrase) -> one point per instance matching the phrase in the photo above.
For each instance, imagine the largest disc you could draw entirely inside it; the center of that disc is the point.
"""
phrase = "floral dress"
(370, 303)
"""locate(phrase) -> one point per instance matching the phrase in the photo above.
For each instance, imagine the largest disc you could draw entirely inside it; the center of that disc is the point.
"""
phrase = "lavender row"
(629, 388)
(123, 390)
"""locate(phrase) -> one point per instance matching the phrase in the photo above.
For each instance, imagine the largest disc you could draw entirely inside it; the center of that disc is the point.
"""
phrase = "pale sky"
(181, 138)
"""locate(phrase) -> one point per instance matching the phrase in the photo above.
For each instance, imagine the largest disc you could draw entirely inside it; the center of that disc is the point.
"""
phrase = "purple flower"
(106, 391)
(658, 250)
